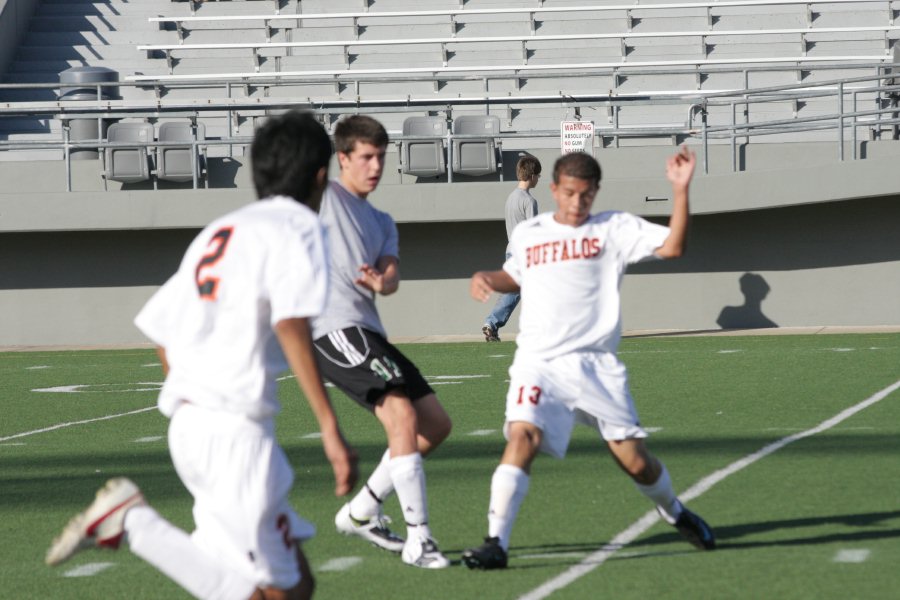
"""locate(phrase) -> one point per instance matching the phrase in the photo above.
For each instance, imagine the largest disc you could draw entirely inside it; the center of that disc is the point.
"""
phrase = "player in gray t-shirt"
(520, 206)
(354, 354)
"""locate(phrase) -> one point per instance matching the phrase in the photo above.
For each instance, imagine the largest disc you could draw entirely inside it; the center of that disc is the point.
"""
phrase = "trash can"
(79, 83)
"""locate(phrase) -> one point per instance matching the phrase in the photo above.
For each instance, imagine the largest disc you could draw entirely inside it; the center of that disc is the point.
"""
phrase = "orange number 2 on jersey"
(217, 244)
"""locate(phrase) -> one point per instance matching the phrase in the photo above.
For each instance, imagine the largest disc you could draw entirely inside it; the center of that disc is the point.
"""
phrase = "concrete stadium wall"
(766, 248)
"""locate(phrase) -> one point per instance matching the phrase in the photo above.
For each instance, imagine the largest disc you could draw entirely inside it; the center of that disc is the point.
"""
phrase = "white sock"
(172, 551)
(409, 482)
(509, 486)
(378, 488)
(663, 495)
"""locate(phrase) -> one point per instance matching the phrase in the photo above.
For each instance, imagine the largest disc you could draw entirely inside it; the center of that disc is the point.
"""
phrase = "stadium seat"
(424, 158)
(128, 164)
(475, 156)
(174, 163)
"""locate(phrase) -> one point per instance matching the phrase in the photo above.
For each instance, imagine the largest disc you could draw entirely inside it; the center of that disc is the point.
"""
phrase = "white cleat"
(424, 554)
(374, 529)
(101, 524)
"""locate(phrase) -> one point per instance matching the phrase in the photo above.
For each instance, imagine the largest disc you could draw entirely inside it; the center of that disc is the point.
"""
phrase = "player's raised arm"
(679, 172)
(484, 283)
(296, 343)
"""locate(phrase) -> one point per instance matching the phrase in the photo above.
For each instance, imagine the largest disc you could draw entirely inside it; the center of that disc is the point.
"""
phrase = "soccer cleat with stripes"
(424, 554)
(101, 524)
(374, 529)
(695, 530)
(490, 333)
(489, 555)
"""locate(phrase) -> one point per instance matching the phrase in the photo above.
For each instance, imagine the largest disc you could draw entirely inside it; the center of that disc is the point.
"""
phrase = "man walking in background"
(520, 206)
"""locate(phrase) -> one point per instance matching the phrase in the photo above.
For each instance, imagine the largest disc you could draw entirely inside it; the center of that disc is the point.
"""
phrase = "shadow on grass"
(855, 528)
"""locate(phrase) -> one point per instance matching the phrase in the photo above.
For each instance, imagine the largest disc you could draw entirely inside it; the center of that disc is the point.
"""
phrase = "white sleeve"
(513, 263)
(297, 275)
(156, 319)
(637, 239)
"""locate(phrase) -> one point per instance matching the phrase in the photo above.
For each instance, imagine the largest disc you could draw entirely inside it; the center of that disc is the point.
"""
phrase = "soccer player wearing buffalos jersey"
(229, 321)
(355, 355)
(569, 265)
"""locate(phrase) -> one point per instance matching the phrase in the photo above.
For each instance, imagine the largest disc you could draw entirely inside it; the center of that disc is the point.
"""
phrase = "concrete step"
(59, 23)
(56, 66)
(90, 53)
(95, 38)
(136, 10)
(643, 83)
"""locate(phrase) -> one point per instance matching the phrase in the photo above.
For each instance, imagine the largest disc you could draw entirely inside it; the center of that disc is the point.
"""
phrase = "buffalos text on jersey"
(559, 250)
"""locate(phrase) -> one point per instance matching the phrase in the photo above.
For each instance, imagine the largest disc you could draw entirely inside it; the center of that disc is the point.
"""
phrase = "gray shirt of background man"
(520, 206)
(357, 233)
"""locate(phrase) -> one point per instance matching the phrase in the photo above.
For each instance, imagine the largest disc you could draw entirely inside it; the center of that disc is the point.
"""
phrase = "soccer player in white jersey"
(227, 323)
(569, 265)
(354, 354)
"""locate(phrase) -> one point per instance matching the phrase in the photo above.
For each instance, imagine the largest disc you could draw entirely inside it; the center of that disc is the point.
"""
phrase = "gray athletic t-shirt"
(520, 206)
(357, 233)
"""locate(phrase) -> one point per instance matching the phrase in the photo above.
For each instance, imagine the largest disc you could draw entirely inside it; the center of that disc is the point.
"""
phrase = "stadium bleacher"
(344, 51)
(754, 85)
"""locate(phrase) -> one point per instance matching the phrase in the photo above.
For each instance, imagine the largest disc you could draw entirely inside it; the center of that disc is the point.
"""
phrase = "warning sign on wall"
(576, 136)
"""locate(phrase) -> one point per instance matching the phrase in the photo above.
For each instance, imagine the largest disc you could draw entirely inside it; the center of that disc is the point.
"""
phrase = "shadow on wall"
(749, 315)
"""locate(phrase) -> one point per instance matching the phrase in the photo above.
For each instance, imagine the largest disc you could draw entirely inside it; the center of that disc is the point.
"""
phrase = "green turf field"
(815, 518)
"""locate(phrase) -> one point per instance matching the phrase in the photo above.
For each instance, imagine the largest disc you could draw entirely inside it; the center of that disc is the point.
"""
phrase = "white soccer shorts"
(240, 478)
(590, 388)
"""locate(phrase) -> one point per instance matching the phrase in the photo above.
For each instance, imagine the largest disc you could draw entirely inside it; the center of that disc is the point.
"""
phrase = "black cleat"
(490, 333)
(489, 555)
(695, 530)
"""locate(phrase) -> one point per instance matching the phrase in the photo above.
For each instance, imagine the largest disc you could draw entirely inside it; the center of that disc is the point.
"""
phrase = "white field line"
(852, 556)
(88, 570)
(636, 529)
(73, 423)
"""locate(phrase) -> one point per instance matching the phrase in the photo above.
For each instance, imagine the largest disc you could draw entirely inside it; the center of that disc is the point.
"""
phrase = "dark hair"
(527, 167)
(358, 128)
(287, 153)
(578, 165)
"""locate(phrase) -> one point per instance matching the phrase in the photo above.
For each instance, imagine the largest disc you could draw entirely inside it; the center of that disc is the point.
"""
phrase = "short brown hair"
(358, 128)
(578, 165)
(527, 167)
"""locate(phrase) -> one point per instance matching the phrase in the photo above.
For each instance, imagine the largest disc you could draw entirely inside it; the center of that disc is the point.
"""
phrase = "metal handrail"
(881, 87)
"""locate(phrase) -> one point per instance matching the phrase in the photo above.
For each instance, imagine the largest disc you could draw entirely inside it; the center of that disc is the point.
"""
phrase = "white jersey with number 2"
(242, 274)
(570, 277)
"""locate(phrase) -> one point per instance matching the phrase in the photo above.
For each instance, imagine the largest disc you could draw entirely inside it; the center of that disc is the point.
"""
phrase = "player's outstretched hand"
(370, 278)
(480, 287)
(343, 459)
(680, 167)
(484, 283)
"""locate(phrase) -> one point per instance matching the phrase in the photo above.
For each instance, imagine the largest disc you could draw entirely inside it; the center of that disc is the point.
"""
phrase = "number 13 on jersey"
(530, 393)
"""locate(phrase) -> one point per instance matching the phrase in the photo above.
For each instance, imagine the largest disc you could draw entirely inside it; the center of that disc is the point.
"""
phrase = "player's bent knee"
(524, 441)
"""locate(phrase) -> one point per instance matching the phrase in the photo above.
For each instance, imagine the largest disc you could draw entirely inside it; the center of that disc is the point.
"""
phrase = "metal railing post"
(705, 142)
(449, 157)
(68, 161)
(841, 120)
(733, 137)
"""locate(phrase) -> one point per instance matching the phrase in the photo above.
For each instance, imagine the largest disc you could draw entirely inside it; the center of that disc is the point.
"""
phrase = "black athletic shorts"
(365, 366)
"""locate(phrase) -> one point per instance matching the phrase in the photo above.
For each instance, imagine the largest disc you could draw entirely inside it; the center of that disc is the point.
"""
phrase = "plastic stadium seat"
(128, 165)
(173, 163)
(475, 156)
(424, 158)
